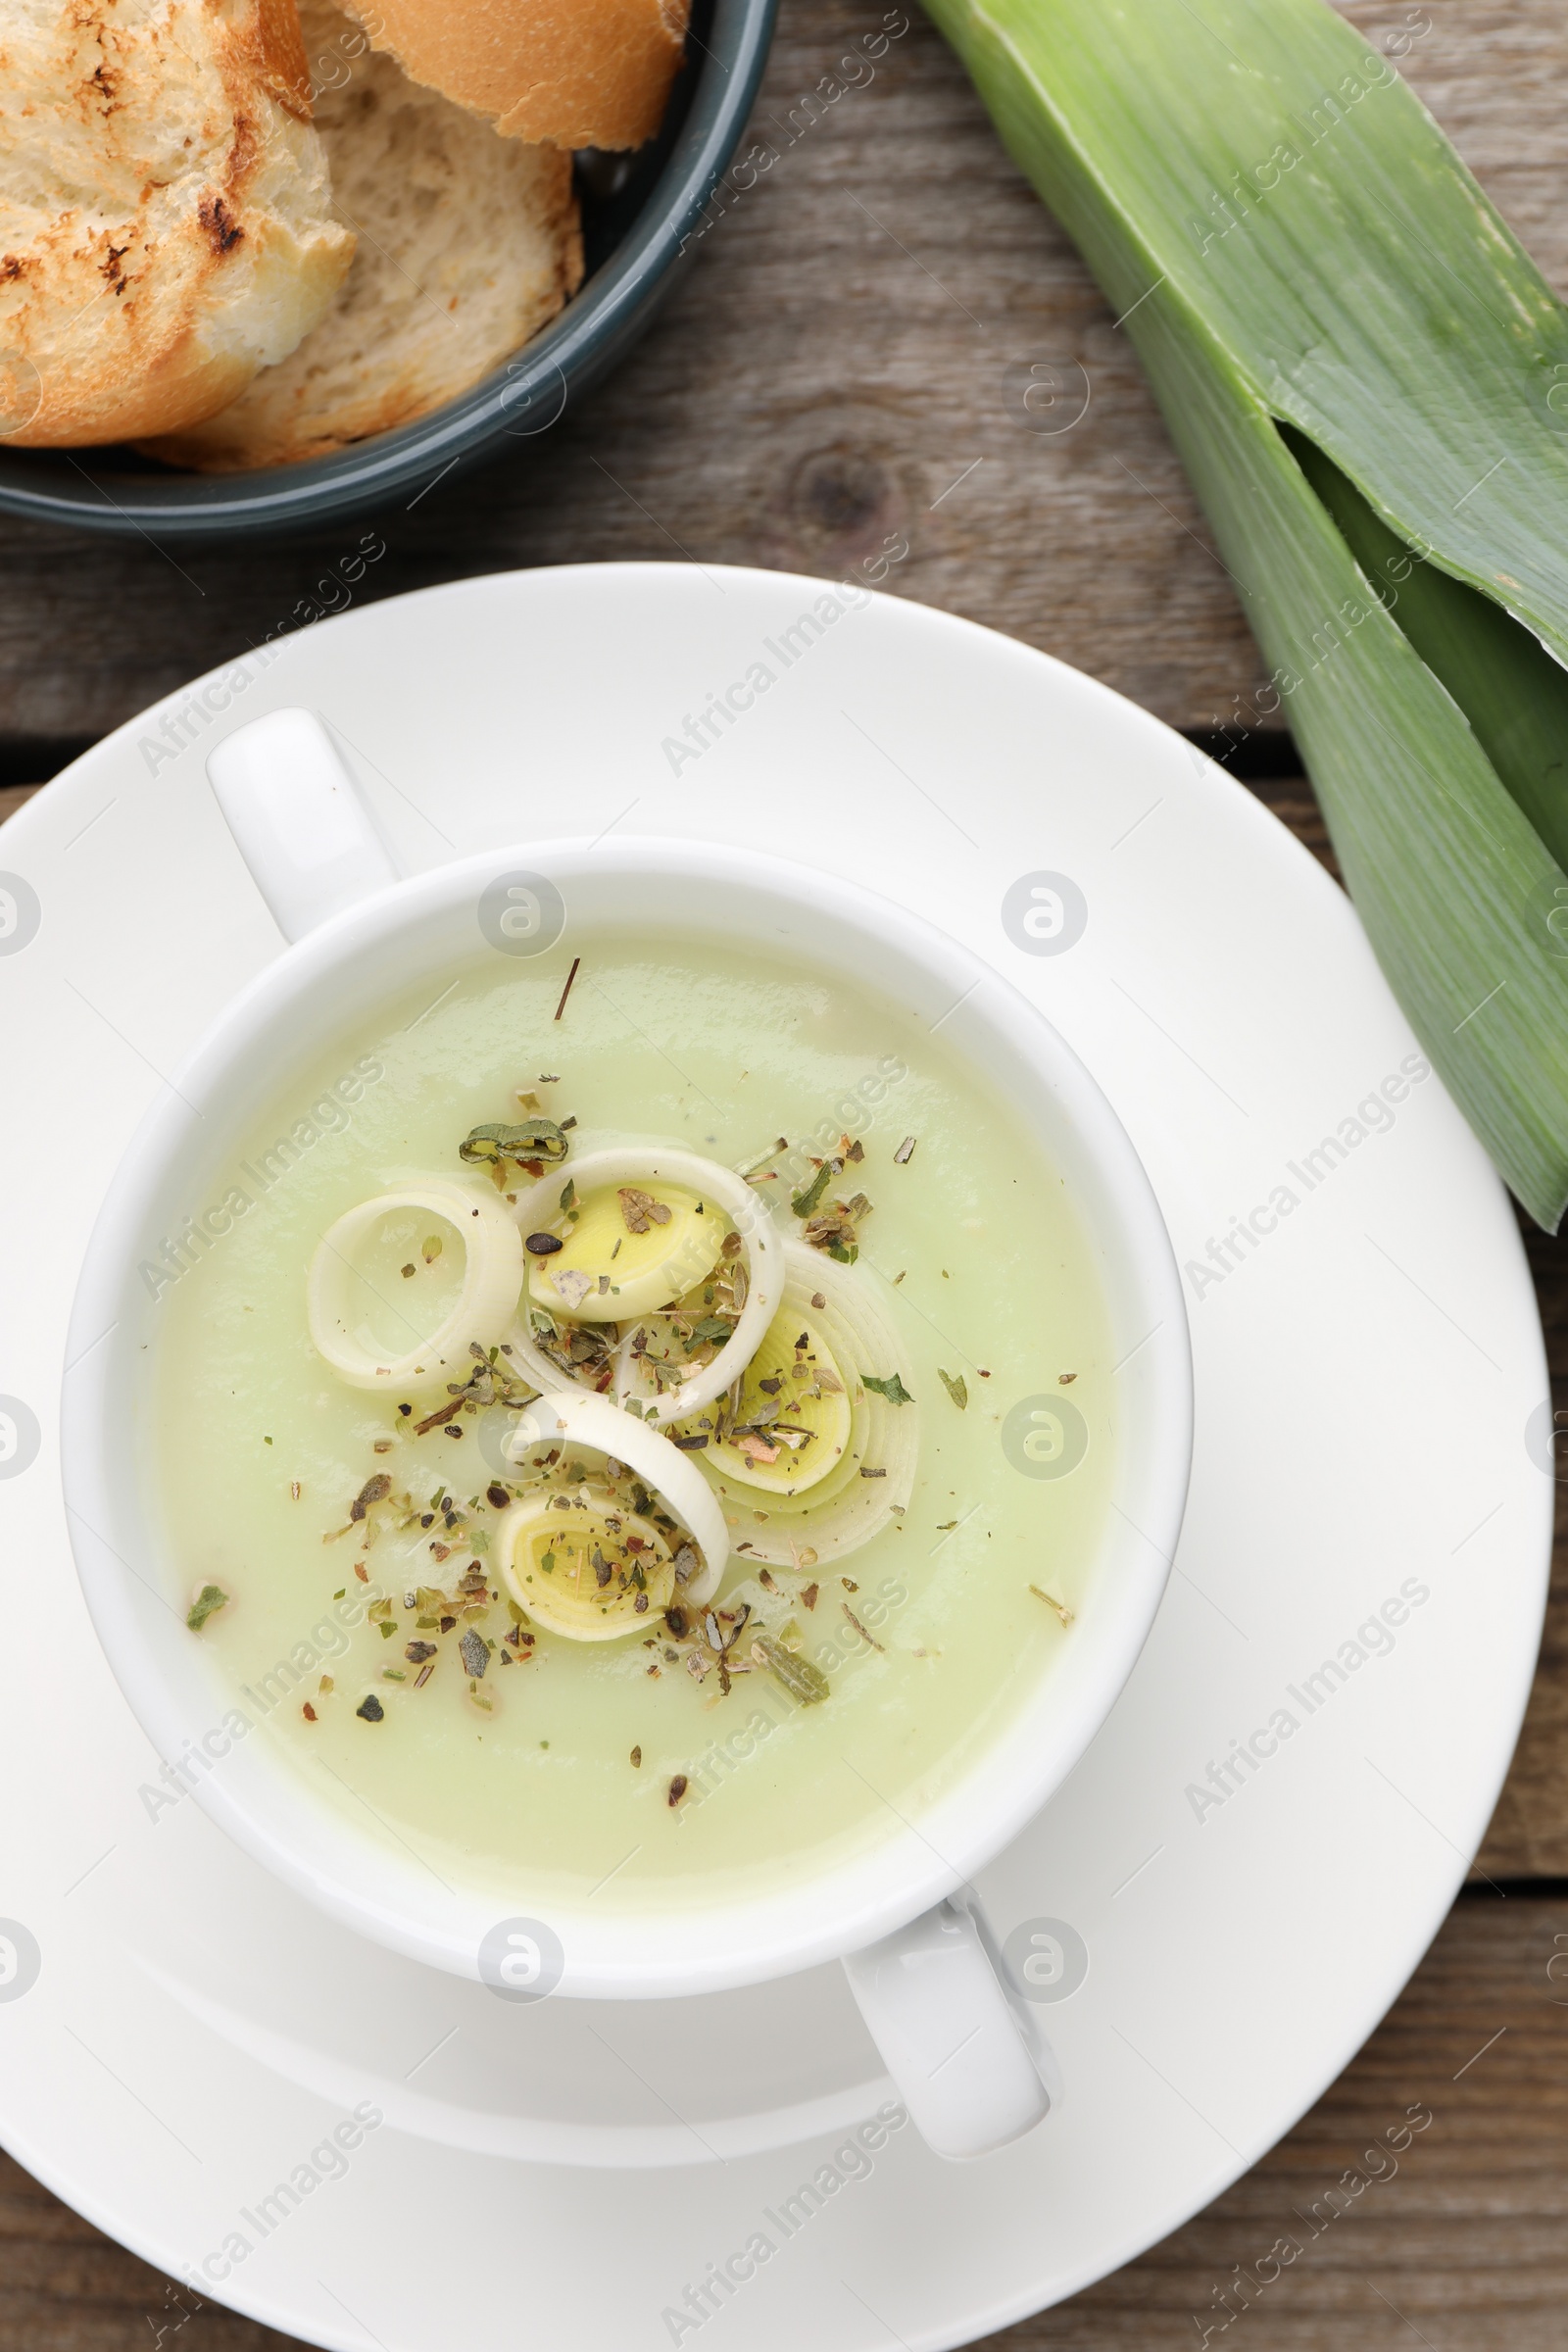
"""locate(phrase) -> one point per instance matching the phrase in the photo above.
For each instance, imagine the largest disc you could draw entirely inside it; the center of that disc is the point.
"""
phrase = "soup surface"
(829, 1690)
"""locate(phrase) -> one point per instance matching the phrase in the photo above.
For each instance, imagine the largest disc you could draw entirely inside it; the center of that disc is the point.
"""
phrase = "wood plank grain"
(834, 366)
(1465, 2249)
(1529, 1831)
(1459, 2238)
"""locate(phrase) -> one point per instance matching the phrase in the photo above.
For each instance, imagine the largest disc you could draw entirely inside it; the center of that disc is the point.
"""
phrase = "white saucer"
(1364, 1377)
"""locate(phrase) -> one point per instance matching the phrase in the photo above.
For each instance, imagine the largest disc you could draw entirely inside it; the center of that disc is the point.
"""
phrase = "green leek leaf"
(1367, 378)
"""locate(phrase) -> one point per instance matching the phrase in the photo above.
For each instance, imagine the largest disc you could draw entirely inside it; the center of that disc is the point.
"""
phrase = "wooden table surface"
(833, 368)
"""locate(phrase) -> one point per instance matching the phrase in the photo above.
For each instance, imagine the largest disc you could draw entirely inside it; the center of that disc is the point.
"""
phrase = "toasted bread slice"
(165, 217)
(575, 73)
(467, 245)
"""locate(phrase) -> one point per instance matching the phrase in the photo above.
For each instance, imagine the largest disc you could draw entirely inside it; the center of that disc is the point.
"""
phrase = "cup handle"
(298, 820)
(964, 2061)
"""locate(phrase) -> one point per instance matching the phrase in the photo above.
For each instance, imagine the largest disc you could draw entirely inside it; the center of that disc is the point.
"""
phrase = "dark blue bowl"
(641, 215)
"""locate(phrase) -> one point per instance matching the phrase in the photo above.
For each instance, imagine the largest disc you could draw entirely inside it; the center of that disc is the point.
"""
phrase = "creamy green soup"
(374, 1641)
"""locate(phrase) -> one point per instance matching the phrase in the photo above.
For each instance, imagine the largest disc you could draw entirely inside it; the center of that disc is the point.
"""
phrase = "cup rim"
(846, 1906)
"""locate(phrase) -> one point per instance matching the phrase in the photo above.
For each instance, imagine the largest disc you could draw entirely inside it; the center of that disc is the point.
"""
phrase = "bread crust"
(562, 72)
(471, 245)
(165, 213)
(279, 47)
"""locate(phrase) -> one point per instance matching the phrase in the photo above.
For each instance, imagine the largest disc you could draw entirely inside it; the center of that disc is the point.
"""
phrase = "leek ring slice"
(578, 1563)
(570, 1417)
(790, 1435)
(604, 1271)
(844, 1508)
(705, 1180)
(338, 1311)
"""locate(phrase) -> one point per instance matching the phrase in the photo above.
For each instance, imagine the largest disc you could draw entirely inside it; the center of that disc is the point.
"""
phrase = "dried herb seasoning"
(1065, 1613)
(859, 1627)
(798, 1675)
(576, 966)
(208, 1601)
(494, 1144)
(374, 1489)
(639, 1210)
(804, 1201)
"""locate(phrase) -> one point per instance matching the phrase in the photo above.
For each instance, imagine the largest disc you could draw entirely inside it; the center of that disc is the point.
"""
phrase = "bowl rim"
(846, 1905)
(582, 343)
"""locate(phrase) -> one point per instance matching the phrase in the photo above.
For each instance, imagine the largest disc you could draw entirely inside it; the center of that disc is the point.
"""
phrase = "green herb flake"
(535, 1139)
(893, 1387)
(956, 1387)
(799, 1677)
(207, 1603)
(802, 1203)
